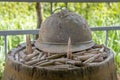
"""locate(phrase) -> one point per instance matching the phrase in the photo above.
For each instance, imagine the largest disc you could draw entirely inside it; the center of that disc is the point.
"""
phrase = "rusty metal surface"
(59, 27)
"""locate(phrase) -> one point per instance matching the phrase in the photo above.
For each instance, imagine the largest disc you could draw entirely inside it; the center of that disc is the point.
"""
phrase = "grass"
(14, 16)
(1, 68)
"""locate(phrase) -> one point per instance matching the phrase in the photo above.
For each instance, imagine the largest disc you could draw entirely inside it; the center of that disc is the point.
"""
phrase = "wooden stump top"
(20, 66)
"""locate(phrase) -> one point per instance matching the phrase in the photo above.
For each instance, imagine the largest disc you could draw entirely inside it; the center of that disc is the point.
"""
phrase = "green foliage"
(22, 16)
(1, 68)
(17, 16)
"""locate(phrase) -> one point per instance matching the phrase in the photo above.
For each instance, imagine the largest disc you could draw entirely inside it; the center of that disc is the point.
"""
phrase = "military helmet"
(56, 30)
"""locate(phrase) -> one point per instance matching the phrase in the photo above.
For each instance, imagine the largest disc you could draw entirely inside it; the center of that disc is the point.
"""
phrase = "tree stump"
(15, 70)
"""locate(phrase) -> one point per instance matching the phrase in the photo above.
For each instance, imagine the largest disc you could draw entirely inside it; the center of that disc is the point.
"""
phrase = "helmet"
(56, 30)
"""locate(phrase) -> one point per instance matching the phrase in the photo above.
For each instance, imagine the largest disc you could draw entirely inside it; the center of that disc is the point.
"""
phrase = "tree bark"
(39, 15)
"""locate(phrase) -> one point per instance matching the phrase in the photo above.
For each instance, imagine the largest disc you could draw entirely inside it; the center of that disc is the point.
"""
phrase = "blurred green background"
(22, 16)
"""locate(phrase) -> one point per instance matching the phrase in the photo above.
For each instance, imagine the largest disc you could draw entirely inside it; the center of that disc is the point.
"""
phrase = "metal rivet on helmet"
(56, 30)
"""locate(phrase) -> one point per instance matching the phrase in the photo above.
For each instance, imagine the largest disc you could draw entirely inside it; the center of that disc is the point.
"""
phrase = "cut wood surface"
(28, 45)
(69, 53)
(95, 54)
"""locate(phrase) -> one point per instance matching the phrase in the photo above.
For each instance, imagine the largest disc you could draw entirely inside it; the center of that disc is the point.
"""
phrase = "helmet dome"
(56, 30)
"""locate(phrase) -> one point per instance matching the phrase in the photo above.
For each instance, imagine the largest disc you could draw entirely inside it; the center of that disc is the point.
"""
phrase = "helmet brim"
(55, 48)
